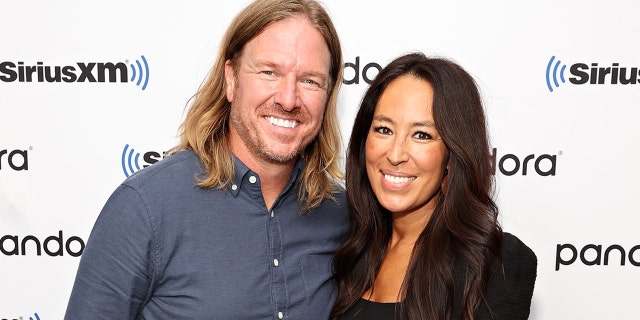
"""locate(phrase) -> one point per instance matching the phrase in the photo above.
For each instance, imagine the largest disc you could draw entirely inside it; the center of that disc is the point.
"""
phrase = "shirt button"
(280, 315)
(252, 179)
(275, 262)
(234, 187)
(272, 214)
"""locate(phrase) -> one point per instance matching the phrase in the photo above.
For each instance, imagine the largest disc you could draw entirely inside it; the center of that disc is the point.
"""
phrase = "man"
(241, 222)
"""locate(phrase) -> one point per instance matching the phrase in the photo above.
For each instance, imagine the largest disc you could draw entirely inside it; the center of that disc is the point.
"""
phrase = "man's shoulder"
(334, 210)
(339, 200)
(181, 166)
(340, 194)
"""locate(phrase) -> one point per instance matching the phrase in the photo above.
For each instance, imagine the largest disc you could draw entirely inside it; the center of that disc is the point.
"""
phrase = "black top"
(508, 295)
(365, 309)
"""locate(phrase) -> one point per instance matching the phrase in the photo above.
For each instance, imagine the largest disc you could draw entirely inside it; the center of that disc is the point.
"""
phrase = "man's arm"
(117, 265)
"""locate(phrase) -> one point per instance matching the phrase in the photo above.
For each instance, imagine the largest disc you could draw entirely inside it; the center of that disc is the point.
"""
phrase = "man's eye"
(312, 83)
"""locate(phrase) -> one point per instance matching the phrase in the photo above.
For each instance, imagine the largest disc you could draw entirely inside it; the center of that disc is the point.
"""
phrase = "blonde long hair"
(205, 129)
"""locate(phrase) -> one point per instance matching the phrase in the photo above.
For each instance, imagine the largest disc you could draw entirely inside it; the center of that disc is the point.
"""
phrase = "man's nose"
(287, 95)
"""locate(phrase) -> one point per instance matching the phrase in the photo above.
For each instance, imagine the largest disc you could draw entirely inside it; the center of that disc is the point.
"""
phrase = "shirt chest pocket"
(213, 289)
(320, 287)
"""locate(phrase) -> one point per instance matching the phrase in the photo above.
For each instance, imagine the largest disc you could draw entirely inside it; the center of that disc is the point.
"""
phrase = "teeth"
(282, 123)
(395, 179)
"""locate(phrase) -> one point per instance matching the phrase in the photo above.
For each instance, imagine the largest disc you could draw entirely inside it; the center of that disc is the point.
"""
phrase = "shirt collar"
(241, 170)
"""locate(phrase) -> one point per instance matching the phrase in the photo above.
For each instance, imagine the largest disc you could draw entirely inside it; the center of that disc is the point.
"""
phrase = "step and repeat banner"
(93, 92)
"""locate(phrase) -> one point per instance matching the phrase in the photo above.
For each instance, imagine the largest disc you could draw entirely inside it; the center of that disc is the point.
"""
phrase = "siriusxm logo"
(35, 317)
(101, 72)
(583, 73)
(554, 74)
(140, 75)
(130, 160)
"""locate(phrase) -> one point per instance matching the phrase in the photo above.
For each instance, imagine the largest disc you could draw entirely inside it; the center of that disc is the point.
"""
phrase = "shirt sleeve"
(510, 291)
(116, 268)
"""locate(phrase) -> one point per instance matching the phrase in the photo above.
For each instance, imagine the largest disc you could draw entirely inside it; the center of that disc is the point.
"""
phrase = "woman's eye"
(422, 135)
(382, 130)
(267, 72)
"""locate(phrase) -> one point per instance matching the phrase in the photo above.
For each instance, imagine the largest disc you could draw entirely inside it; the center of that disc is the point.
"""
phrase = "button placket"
(276, 265)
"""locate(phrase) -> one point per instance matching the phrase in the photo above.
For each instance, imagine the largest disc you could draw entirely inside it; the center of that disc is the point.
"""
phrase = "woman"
(424, 240)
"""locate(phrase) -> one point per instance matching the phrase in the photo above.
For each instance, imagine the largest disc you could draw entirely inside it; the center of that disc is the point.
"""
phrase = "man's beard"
(258, 146)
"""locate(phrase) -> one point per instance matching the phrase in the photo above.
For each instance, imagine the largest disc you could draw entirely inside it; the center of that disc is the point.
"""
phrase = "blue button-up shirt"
(164, 248)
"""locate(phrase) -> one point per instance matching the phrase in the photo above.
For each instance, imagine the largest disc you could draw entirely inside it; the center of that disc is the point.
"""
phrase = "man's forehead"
(288, 43)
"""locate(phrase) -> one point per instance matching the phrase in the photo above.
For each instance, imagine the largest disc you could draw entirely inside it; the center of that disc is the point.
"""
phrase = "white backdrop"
(65, 142)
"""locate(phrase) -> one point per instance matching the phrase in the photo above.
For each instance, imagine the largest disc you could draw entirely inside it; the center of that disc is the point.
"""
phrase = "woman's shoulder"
(514, 251)
(510, 290)
(519, 267)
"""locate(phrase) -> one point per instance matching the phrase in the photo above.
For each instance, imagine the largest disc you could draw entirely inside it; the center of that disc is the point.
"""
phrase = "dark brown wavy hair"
(463, 237)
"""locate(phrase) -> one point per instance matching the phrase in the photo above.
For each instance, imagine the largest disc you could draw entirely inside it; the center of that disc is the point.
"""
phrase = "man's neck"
(274, 176)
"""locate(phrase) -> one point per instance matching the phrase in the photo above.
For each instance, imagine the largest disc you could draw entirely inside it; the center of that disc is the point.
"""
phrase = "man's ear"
(229, 79)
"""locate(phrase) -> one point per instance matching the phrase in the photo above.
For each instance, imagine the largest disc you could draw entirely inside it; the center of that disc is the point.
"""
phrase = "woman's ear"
(445, 180)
